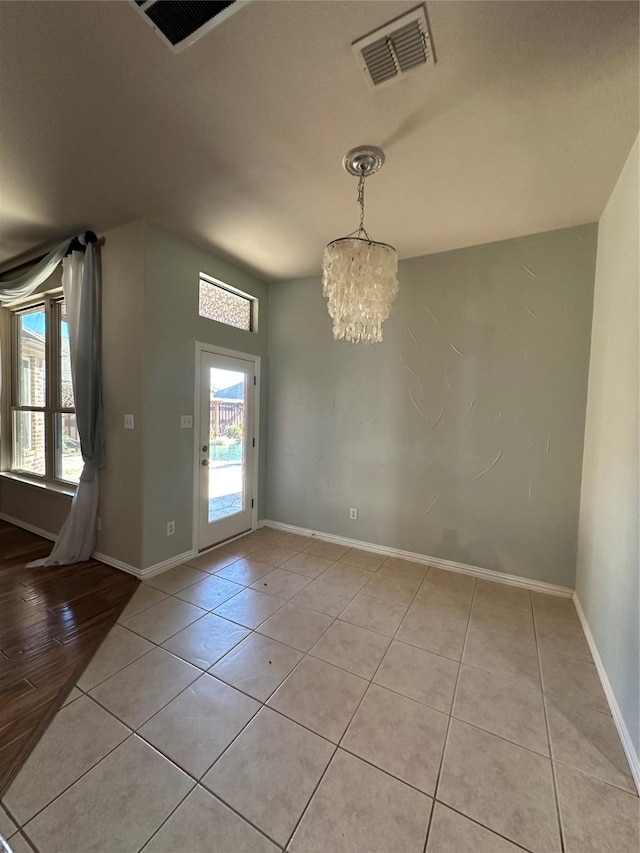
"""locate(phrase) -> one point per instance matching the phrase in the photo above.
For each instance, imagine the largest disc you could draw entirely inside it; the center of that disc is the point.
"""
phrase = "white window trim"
(21, 368)
(52, 409)
(252, 300)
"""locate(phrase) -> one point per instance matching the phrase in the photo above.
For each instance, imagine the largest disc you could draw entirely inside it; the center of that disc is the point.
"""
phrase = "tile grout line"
(382, 769)
(199, 782)
(498, 737)
(173, 761)
(135, 733)
(58, 795)
(25, 835)
(304, 654)
(208, 670)
(136, 660)
(630, 792)
(482, 825)
(161, 646)
(546, 722)
(155, 832)
(224, 803)
(450, 715)
(250, 586)
(264, 705)
(338, 746)
(122, 668)
(135, 730)
(272, 568)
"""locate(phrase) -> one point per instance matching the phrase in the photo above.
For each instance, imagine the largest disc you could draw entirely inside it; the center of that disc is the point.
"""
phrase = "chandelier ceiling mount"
(363, 160)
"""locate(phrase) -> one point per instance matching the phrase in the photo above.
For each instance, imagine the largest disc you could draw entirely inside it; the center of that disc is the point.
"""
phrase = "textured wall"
(608, 562)
(120, 507)
(461, 435)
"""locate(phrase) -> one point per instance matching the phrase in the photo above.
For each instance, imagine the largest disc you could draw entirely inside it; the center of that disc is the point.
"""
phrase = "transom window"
(225, 304)
(44, 434)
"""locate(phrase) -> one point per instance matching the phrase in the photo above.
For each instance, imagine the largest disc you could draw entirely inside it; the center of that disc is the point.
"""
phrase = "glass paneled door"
(226, 447)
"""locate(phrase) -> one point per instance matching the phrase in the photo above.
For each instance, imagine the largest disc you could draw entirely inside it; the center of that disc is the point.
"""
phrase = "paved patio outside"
(225, 489)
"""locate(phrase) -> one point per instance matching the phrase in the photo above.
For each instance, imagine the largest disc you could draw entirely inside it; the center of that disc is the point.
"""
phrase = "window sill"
(46, 485)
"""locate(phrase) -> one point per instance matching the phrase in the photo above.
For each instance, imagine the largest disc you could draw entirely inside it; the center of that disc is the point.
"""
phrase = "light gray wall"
(485, 358)
(608, 560)
(171, 328)
(33, 505)
(121, 498)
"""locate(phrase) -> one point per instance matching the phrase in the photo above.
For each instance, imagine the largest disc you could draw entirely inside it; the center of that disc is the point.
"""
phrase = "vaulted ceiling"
(521, 126)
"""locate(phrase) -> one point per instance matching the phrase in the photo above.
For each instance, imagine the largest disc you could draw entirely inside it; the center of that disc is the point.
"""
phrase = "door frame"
(201, 347)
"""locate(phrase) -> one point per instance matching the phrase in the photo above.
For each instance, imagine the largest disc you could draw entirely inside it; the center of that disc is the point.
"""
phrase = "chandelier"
(360, 276)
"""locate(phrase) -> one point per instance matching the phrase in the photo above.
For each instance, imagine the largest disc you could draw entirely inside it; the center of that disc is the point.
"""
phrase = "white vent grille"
(396, 49)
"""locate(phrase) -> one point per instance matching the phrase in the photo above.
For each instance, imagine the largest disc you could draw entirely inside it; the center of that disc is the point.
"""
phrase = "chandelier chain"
(361, 229)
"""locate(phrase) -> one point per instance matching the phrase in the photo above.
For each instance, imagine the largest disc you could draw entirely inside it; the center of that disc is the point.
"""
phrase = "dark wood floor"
(51, 622)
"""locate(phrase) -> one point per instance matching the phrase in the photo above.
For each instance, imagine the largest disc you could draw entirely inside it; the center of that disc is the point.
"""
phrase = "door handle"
(204, 448)
(205, 463)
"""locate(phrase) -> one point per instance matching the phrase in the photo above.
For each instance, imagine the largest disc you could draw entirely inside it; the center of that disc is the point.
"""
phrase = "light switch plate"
(129, 422)
(186, 421)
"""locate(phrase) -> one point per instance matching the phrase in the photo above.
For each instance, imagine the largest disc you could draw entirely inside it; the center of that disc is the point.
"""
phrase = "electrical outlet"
(98, 523)
(186, 421)
(129, 422)
(353, 513)
(171, 528)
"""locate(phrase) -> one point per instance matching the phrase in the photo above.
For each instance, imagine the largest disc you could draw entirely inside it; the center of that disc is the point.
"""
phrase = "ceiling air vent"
(392, 51)
(180, 23)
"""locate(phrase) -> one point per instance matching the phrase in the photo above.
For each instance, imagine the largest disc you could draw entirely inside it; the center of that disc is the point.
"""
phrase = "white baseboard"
(623, 732)
(150, 571)
(30, 527)
(438, 562)
(142, 574)
(117, 564)
(172, 562)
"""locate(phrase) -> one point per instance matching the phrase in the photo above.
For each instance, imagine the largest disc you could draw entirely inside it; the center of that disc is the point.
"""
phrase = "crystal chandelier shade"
(359, 275)
(359, 278)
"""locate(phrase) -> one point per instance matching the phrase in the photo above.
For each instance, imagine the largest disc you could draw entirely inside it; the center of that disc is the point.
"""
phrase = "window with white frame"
(44, 436)
(225, 304)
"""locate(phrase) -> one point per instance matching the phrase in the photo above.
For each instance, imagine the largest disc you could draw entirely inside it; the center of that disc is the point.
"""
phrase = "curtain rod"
(74, 245)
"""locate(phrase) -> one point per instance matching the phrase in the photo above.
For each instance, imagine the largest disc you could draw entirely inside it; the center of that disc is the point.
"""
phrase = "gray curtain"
(81, 284)
(25, 285)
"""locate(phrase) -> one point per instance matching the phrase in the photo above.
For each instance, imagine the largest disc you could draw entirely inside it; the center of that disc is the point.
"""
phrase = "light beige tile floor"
(285, 693)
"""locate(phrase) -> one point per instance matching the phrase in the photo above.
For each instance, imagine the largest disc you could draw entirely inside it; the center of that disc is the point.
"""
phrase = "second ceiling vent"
(396, 49)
